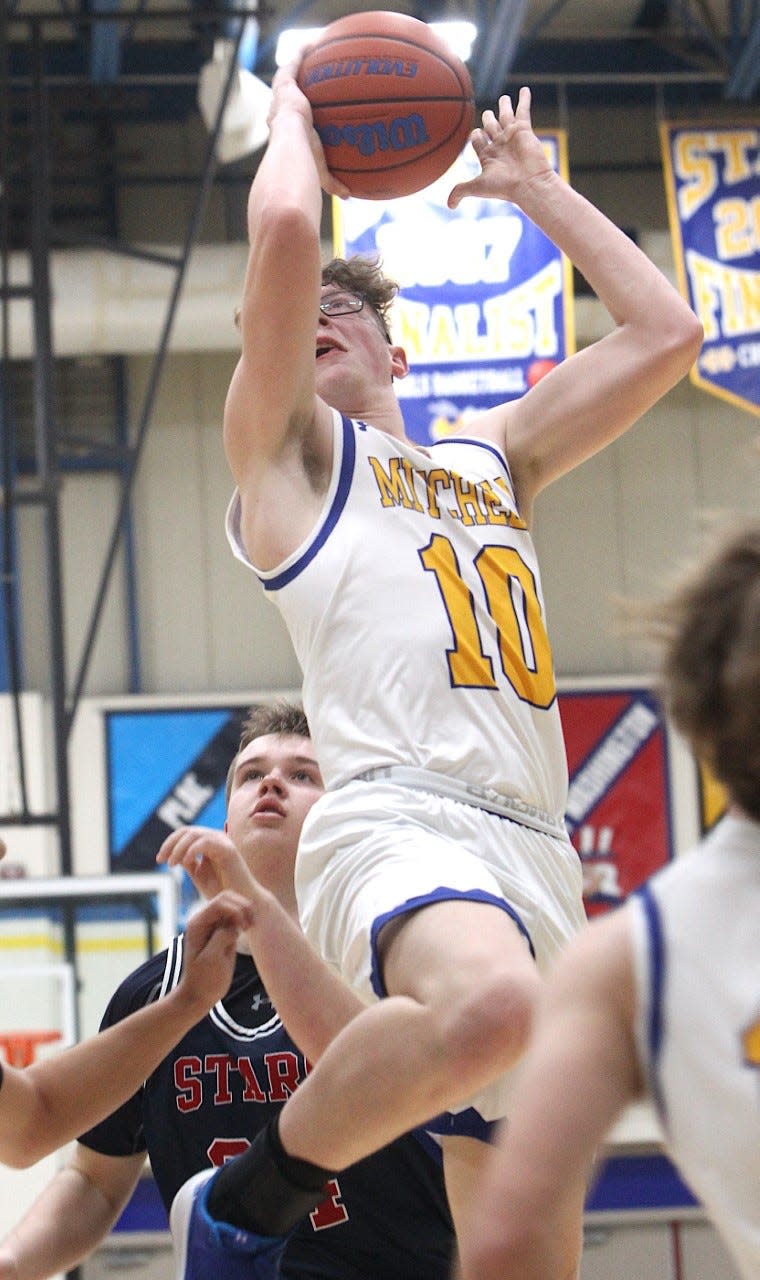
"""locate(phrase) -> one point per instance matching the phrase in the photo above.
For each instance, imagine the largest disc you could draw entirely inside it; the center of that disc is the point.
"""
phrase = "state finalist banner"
(486, 299)
(712, 179)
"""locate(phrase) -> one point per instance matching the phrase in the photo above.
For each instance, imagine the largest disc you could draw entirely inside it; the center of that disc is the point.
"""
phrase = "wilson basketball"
(391, 103)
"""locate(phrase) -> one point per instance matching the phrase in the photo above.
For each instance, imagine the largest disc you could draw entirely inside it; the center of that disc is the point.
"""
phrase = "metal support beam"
(136, 445)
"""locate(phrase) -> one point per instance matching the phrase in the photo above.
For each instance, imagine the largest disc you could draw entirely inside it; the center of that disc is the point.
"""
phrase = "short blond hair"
(279, 717)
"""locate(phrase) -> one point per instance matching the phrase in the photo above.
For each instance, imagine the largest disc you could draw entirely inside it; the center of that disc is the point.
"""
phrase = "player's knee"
(491, 1024)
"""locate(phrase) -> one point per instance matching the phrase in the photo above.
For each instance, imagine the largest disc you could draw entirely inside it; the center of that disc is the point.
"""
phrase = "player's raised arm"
(313, 1002)
(271, 401)
(49, 1103)
(595, 395)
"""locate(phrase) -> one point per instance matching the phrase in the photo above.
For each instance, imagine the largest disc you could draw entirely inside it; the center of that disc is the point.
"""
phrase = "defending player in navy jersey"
(662, 997)
(387, 1217)
(436, 871)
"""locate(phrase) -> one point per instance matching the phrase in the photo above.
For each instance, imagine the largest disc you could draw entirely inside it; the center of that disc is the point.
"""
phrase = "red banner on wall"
(618, 812)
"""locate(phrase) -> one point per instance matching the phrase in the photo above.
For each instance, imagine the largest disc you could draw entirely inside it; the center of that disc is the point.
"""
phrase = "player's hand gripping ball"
(392, 104)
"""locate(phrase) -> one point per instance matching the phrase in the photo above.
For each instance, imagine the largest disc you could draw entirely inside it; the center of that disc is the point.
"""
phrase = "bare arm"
(72, 1215)
(312, 1001)
(276, 431)
(577, 1077)
(595, 395)
(49, 1103)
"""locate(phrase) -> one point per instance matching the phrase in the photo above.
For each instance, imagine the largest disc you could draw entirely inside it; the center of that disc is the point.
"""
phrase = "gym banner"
(165, 768)
(486, 299)
(713, 193)
(618, 809)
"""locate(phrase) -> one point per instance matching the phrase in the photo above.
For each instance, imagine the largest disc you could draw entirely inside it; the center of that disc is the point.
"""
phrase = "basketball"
(391, 103)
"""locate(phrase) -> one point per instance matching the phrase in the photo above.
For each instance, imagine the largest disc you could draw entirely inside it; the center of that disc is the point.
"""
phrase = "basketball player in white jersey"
(663, 996)
(436, 871)
(48, 1103)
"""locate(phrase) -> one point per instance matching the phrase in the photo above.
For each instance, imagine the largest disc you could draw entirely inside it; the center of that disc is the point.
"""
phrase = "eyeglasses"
(341, 304)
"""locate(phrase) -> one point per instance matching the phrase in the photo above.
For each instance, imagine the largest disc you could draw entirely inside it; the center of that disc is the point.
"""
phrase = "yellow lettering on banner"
(521, 323)
(696, 168)
(749, 295)
(727, 300)
(443, 336)
(696, 164)
(737, 227)
(473, 344)
(734, 146)
(518, 324)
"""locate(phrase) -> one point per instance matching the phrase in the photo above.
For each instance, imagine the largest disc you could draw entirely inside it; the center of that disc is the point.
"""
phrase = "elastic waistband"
(439, 784)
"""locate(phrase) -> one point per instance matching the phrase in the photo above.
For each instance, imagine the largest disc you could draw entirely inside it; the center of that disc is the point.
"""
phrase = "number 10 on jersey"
(512, 601)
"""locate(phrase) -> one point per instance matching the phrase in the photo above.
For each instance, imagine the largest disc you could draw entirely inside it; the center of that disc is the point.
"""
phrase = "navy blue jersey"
(385, 1218)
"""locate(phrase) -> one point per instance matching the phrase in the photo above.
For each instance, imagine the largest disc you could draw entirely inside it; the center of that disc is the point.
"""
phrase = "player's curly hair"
(279, 717)
(365, 276)
(359, 275)
(710, 628)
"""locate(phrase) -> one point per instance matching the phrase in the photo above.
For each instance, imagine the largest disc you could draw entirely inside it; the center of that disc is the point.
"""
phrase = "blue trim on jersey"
(338, 503)
(441, 894)
(482, 444)
(656, 938)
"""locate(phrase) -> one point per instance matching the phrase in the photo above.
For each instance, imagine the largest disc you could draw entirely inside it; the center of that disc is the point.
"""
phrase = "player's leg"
(463, 1162)
(462, 987)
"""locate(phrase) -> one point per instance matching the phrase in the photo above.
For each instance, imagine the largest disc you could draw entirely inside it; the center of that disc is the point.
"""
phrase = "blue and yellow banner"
(486, 299)
(712, 179)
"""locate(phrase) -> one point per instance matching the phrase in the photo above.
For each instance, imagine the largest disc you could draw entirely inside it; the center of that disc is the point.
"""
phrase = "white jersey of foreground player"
(696, 938)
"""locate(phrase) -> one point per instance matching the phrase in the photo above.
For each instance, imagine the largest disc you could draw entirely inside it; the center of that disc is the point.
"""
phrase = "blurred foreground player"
(662, 997)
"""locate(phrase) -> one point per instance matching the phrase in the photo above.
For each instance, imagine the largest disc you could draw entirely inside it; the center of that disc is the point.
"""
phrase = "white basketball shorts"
(371, 851)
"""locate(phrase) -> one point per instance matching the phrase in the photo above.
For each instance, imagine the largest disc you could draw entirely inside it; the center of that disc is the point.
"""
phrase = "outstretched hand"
(210, 947)
(509, 152)
(210, 859)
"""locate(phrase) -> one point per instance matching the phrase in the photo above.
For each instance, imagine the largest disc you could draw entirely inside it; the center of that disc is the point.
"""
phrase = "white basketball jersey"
(696, 931)
(416, 613)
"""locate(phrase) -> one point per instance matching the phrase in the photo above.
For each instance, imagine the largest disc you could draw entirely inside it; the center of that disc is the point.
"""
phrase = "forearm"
(624, 279)
(51, 1102)
(287, 175)
(312, 1001)
(62, 1227)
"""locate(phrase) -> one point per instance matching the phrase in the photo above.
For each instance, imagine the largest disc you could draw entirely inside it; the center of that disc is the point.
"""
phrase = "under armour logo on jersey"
(258, 1001)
